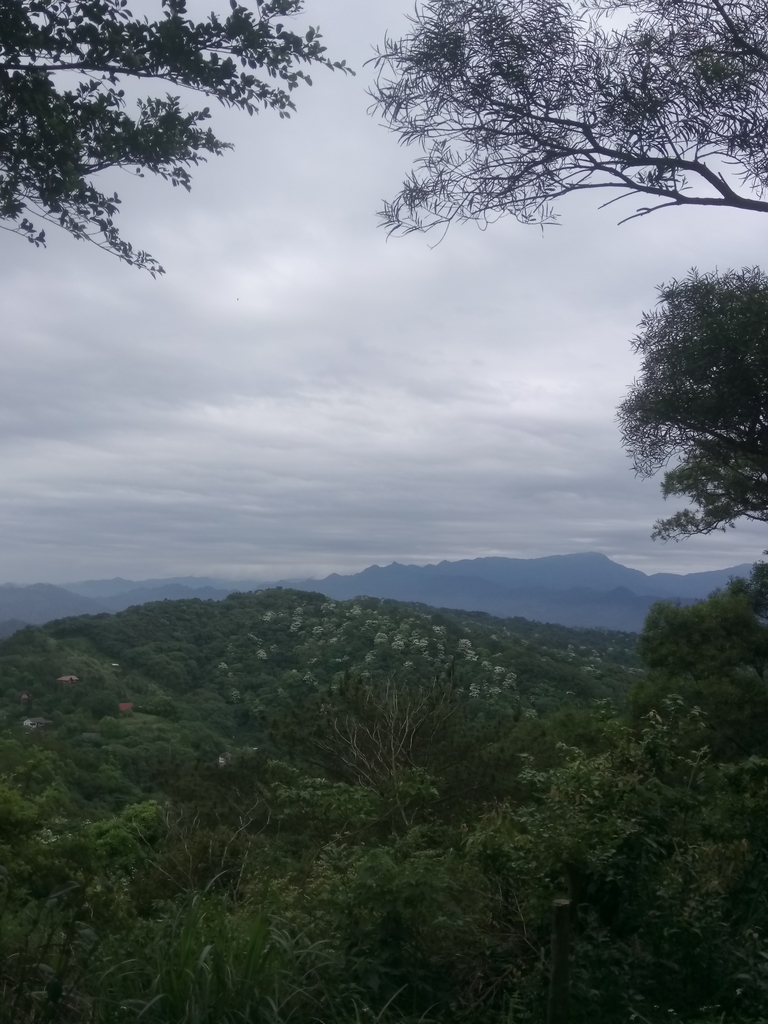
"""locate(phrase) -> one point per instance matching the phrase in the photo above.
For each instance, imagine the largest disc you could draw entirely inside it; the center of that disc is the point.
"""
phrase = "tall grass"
(205, 965)
(199, 964)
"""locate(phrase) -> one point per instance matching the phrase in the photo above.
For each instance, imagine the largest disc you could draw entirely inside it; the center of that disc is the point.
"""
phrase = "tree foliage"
(702, 399)
(521, 102)
(714, 654)
(64, 112)
(392, 849)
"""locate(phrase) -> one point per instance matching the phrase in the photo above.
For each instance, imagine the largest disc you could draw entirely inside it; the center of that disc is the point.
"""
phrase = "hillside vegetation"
(280, 807)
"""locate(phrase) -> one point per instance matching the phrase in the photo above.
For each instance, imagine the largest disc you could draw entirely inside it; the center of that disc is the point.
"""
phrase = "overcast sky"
(299, 395)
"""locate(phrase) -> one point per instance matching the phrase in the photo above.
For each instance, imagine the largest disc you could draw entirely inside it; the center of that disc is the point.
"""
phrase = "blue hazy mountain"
(39, 603)
(101, 589)
(586, 589)
(574, 590)
(11, 626)
(590, 570)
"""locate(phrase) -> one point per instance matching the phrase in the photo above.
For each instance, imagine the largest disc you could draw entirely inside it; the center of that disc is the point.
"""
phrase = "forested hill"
(281, 808)
(207, 676)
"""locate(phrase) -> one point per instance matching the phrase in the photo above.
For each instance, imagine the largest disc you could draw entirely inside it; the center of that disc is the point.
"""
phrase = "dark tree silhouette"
(702, 398)
(518, 103)
(63, 112)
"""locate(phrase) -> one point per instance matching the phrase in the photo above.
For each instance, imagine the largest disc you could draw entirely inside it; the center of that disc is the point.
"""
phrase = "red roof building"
(125, 707)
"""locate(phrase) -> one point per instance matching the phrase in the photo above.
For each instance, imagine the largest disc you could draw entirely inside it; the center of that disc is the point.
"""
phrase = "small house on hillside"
(225, 759)
(125, 706)
(36, 723)
(68, 680)
(24, 696)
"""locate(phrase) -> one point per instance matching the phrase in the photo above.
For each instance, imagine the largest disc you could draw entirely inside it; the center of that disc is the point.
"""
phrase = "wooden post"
(559, 985)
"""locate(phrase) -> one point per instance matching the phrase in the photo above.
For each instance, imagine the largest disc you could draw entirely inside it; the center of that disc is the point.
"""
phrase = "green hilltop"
(206, 677)
(278, 807)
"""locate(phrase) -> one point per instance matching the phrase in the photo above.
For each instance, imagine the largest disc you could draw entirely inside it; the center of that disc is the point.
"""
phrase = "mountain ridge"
(591, 569)
(586, 589)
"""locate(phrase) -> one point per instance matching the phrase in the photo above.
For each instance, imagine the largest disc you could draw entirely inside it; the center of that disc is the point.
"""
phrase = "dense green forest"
(278, 807)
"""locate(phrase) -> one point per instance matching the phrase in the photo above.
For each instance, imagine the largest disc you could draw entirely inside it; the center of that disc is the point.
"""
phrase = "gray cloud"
(300, 395)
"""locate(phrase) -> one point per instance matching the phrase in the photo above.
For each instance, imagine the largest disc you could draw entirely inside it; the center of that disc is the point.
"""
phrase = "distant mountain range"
(574, 590)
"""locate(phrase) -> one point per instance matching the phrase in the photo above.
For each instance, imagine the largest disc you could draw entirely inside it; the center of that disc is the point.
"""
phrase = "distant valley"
(585, 590)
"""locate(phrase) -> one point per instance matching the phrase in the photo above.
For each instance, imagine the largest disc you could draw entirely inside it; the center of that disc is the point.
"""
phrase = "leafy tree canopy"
(63, 111)
(716, 638)
(702, 398)
(520, 102)
(714, 655)
(392, 848)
